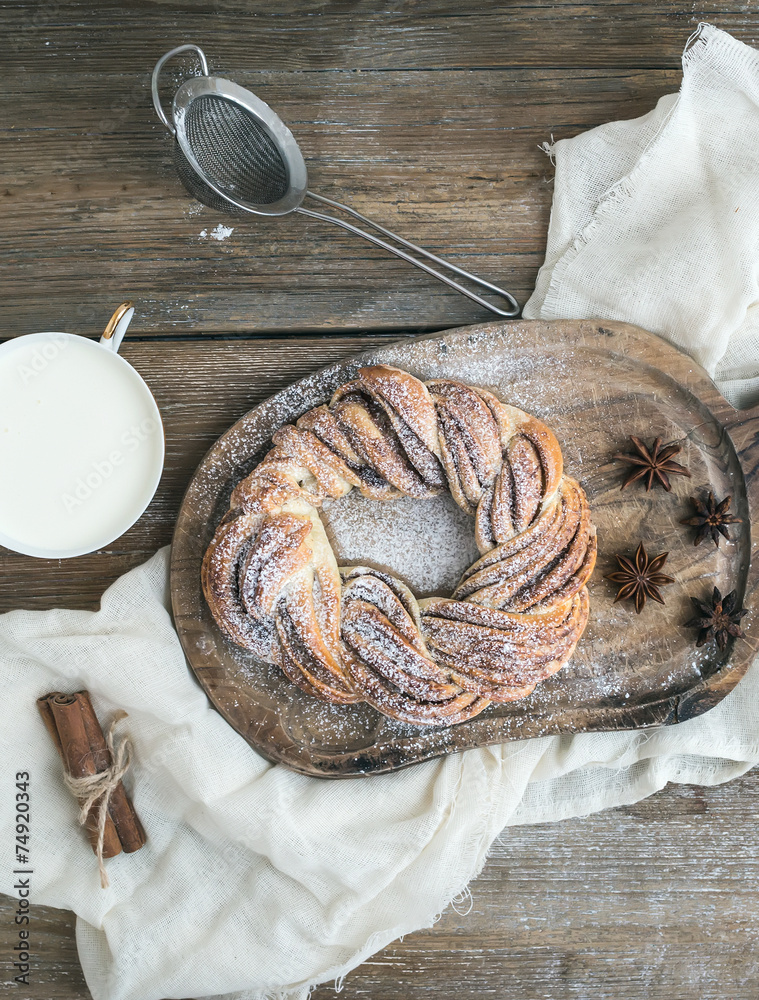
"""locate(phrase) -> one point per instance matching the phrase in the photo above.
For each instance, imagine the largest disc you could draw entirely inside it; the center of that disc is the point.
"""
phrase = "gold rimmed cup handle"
(117, 326)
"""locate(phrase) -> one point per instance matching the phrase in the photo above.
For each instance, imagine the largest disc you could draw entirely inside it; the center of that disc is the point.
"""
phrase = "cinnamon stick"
(121, 810)
(63, 718)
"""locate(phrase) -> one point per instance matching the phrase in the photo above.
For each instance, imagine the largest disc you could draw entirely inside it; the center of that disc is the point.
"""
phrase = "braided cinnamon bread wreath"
(349, 634)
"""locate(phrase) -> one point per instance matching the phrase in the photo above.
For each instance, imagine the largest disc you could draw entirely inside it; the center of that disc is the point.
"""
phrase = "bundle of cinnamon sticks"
(71, 721)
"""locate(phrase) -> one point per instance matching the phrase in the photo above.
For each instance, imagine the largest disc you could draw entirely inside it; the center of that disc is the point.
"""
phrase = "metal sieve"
(233, 153)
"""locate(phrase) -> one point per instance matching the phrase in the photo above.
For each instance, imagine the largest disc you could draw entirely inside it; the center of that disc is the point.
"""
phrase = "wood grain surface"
(442, 147)
(428, 117)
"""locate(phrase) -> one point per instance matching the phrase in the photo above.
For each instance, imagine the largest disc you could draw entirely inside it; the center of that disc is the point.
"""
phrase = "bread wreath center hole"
(425, 543)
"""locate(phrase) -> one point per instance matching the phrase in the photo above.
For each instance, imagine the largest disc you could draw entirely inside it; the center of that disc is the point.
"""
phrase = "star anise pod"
(717, 618)
(651, 464)
(640, 578)
(711, 518)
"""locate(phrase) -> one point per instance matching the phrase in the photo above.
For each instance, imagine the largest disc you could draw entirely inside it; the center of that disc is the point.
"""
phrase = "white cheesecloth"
(655, 221)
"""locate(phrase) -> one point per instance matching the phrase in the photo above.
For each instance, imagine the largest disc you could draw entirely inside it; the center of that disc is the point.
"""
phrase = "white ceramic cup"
(81, 442)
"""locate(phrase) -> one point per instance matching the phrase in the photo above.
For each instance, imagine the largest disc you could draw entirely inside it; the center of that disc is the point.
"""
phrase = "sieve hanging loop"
(157, 72)
(233, 153)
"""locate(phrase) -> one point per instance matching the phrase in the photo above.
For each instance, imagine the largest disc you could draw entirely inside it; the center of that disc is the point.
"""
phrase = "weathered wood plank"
(93, 211)
(654, 900)
(306, 36)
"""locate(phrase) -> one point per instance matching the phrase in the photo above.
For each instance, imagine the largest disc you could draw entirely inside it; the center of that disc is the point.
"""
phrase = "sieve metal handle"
(157, 72)
(514, 309)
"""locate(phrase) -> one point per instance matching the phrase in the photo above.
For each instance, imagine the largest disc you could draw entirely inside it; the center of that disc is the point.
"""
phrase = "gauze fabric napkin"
(257, 882)
(656, 221)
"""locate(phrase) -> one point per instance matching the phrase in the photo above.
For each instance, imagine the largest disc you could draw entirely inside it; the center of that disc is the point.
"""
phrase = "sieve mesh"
(189, 176)
(235, 151)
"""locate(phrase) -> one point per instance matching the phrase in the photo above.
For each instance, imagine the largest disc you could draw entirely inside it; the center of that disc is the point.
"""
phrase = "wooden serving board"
(594, 384)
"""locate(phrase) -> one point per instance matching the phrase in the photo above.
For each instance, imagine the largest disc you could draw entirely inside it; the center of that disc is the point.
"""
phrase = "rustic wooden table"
(427, 116)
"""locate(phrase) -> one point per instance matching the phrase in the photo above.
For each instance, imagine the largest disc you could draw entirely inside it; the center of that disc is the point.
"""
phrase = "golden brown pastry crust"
(355, 634)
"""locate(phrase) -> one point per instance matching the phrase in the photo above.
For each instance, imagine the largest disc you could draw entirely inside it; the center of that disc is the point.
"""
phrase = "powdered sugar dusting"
(426, 543)
(220, 233)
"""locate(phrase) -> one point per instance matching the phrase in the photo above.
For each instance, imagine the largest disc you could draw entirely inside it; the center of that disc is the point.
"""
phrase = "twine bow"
(98, 788)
